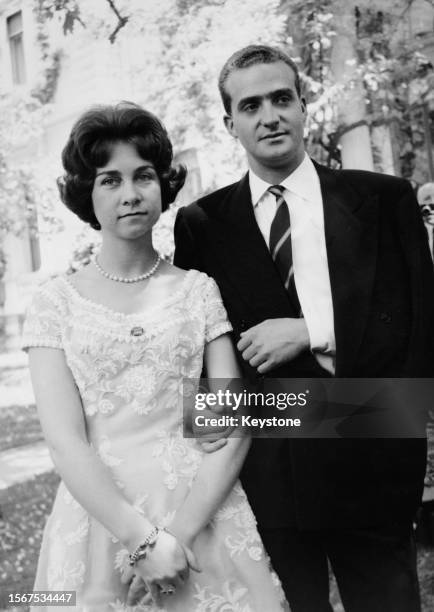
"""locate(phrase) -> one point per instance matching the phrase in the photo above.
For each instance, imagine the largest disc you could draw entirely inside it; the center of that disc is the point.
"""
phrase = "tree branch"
(122, 21)
(407, 7)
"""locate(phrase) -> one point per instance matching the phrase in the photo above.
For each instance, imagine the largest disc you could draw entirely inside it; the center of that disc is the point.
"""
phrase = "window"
(15, 36)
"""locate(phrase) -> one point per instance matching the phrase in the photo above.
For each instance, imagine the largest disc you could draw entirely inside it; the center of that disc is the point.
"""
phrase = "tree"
(188, 42)
(27, 195)
(398, 79)
(27, 192)
(389, 65)
(191, 38)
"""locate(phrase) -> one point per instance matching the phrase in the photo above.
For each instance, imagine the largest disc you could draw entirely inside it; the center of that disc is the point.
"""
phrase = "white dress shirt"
(311, 273)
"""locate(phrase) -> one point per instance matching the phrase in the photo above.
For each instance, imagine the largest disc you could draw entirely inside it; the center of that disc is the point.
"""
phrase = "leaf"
(71, 16)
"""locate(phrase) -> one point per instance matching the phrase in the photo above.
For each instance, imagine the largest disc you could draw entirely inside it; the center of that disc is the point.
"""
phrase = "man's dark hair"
(90, 146)
(250, 56)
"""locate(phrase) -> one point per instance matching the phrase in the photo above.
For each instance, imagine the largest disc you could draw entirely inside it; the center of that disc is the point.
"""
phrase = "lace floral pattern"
(131, 386)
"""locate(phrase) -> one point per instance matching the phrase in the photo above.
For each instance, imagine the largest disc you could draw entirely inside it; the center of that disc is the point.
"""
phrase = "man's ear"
(229, 125)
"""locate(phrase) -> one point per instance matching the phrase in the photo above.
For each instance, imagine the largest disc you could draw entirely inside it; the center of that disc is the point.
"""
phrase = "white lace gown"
(129, 371)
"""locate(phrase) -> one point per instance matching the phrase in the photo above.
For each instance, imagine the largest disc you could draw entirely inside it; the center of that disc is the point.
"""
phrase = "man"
(425, 197)
(347, 249)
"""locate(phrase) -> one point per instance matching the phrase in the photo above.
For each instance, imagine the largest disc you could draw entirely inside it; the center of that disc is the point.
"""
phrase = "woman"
(109, 347)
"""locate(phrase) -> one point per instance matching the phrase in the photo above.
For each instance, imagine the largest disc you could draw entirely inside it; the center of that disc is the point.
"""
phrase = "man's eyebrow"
(284, 91)
(272, 94)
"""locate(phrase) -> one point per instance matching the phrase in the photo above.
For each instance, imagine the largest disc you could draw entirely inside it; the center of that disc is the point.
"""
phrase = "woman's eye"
(109, 181)
(145, 177)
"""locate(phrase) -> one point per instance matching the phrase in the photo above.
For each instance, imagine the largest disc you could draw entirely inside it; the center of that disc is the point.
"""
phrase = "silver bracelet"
(141, 550)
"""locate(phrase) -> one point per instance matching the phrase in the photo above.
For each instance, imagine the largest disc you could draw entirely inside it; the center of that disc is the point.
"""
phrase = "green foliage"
(68, 10)
(192, 38)
(86, 245)
(311, 29)
(51, 59)
(398, 78)
(45, 92)
(23, 186)
(187, 43)
(27, 193)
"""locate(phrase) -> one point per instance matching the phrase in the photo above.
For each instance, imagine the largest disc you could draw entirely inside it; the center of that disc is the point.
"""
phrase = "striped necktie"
(281, 247)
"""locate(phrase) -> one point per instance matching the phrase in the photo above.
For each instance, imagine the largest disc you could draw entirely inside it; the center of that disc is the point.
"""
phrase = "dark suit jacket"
(382, 286)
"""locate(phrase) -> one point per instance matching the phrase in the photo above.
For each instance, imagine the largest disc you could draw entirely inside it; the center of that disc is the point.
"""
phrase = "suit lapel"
(351, 229)
(245, 258)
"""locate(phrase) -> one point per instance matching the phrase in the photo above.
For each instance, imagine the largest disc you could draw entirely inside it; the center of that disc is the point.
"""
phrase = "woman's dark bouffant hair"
(90, 145)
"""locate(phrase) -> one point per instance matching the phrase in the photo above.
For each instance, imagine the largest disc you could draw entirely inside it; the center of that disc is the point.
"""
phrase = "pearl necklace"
(134, 279)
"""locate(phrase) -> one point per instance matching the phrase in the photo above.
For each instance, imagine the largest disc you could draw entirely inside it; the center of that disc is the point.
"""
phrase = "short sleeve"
(42, 324)
(217, 322)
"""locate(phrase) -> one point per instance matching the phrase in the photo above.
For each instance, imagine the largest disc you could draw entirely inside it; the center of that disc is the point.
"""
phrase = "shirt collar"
(303, 181)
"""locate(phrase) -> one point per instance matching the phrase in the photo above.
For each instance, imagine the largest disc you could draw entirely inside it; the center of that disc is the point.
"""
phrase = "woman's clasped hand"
(164, 568)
